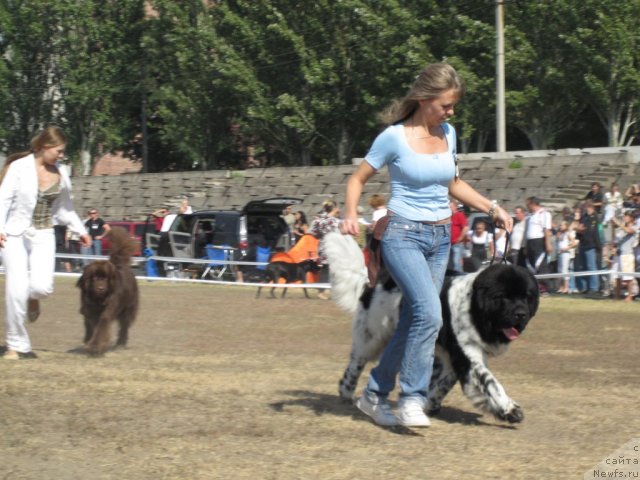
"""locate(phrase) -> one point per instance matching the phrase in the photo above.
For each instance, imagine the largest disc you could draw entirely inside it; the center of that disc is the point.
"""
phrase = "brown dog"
(109, 292)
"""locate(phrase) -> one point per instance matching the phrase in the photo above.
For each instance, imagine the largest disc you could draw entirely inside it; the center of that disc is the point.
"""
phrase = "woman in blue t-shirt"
(419, 149)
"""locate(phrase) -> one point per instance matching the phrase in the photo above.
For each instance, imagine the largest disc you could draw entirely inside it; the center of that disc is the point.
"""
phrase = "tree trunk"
(344, 147)
(305, 157)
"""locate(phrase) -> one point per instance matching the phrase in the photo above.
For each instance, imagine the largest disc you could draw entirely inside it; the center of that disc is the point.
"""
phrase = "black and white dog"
(482, 313)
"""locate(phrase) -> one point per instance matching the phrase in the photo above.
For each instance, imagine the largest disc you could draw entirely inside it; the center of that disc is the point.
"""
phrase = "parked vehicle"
(258, 224)
(137, 231)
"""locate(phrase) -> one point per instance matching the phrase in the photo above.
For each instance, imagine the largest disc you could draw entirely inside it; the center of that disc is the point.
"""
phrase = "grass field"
(218, 384)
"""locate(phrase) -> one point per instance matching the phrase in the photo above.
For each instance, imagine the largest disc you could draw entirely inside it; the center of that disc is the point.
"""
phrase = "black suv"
(258, 224)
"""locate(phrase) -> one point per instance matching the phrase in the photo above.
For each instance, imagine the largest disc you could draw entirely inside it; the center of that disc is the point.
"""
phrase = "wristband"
(493, 210)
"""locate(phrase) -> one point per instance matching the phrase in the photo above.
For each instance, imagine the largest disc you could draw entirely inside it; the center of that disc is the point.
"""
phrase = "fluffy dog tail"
(123, 247)
(347, 270)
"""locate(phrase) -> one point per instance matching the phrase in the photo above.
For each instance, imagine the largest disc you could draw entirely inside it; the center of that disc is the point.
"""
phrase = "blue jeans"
(455, 257)
(416, 256)
(94, 249)
(588, 260)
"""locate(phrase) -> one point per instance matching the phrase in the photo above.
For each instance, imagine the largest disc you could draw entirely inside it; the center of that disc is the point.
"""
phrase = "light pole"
(501, 136)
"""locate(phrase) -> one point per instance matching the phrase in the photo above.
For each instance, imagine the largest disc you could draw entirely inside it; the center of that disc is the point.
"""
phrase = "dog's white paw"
(513, 414)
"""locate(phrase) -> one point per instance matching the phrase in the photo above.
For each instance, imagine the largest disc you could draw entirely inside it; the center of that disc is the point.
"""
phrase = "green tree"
(605, 48)
(30, 95)
(464, 35)
(97, 64)
(543, 98)
(69, 62)
(309, 82)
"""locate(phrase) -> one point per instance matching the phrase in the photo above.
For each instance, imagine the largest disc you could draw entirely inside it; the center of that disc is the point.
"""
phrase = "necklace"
(426, 129)
(418, 137)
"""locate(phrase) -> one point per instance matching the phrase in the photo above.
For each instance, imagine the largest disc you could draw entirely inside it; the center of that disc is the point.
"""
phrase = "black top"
(590, 238)
(95, 227)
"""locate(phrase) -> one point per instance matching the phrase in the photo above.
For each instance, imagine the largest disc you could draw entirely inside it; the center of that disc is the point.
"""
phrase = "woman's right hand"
(3, 238)
(350, 225)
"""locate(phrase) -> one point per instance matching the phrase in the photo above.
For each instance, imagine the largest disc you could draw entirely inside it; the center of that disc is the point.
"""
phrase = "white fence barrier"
(191, 261)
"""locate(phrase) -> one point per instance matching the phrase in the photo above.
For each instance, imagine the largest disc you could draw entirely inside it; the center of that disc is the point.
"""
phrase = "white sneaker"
(378, 409)
(410, 413)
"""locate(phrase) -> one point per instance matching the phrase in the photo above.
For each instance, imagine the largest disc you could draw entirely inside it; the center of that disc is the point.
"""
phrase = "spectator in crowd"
(626, 239)
(300, 226)
(574, 264)
(327, 221)
(158, 218)
(184, 207)
(587, 233)
(566, 244)
(97, 229)
(613, 200)
(378, 204)
(459, 230)
(288, 216)
(537, 237)
(62, 246)
(516, 250)
(633, 203)
(290, 219)
(481, 244)
(596, 196)
(74, 245)
(499, 244)
(631, 192)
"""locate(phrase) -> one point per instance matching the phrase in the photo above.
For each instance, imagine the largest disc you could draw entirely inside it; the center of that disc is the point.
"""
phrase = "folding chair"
(263, 254)
(217, 253)
(152, 242)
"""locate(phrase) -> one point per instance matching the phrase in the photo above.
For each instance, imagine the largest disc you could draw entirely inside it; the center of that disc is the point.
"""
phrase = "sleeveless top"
(42, 213)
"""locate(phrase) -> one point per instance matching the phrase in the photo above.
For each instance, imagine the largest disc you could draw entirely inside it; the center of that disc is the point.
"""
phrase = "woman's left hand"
(85, 240)
(503, 219)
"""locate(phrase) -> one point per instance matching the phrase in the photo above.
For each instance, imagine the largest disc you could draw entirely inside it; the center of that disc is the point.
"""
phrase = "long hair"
(433, 80)
(303, 217)
(51, 136)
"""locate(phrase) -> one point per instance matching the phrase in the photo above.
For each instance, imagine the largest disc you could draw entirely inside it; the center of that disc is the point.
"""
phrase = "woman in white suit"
(35, 194)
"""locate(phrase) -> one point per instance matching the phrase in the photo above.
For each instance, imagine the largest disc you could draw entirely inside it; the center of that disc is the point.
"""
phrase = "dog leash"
(506, 246)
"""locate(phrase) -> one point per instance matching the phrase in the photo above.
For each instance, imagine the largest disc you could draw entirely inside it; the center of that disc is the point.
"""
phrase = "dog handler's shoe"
(13, 355)
(410, 413)
(378, 409)
(33, 309)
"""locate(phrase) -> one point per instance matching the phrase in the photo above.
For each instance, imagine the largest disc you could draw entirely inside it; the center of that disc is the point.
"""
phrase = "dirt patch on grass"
(218, 384)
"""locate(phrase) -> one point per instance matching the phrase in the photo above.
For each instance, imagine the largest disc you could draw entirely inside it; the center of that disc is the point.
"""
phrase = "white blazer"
(19, 195)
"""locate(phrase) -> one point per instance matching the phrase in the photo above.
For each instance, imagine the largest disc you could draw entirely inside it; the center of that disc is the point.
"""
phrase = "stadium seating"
(559, 178)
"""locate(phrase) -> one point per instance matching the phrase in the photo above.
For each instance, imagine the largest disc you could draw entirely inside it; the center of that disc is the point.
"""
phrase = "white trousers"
(29, 262)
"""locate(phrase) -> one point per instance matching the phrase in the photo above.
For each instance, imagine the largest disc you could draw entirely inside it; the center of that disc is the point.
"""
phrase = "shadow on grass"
(454, 415)
(325, 404)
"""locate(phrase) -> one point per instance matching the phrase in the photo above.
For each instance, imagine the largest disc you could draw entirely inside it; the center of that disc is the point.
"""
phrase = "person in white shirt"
(35, 195)
(537, 239)
(566, 244)
(482, 246)
(517, 237)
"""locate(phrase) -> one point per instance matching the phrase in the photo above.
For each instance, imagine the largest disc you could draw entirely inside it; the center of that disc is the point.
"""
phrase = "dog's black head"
(504, 299)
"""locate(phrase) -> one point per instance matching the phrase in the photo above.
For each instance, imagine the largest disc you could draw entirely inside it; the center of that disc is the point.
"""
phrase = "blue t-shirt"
(419, 181)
